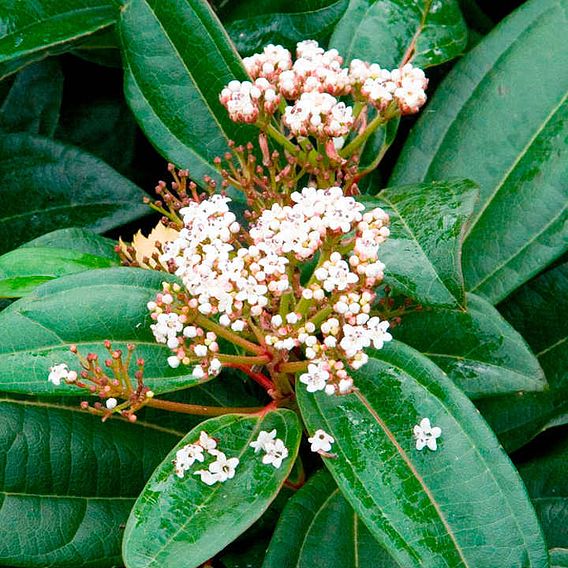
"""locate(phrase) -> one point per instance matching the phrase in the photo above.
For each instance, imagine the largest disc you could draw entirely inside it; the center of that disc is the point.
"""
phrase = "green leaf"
(384, 31)
(319, 528)
(33, 103)
(539, 311)
(489, 122)
(102, 48)
(422, 255)
(178, 58)
(56, 254)
(184, 518)
(559, 558)
(84, 309)
(68, 482)
(477, 348)
(413, 501)
(547, 484)
(252, 24)
(63, 187)
(102, 125)
(32, 29)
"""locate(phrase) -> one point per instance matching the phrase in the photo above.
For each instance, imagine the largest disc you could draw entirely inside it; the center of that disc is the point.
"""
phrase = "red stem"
(261, 379)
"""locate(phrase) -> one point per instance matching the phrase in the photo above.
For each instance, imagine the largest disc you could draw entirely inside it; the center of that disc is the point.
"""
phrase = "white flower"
(61, 372)
(186, 456)
(426, 435)
(321, 441)
(264, 438)
(275, 452)
(207, 442)
(223, 468)
(207, 477)
(316, 378)
(111, 403)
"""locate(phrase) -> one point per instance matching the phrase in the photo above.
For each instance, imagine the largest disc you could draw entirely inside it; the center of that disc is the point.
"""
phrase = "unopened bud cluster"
(306, 90)
(109, 382)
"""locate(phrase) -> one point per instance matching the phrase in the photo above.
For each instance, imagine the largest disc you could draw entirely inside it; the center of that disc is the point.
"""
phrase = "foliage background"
(84, 134)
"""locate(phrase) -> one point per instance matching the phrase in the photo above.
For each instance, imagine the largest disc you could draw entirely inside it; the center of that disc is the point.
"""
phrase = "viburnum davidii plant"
(293, 362)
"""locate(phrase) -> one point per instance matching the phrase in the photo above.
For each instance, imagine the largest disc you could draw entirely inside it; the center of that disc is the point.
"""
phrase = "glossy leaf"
(184, 518)
(252, 24)
(489, 122)
(384, 31)
(64, 187)
(56, 254)
(319, 528)
(477, 348)
(422, 255)
(84, 309)
(414, 502)
(547, 484)
(559, 558)
(539, 311)
(102, 125)
(68, 482)
(33, 103)
(177, 58)
(32, 29)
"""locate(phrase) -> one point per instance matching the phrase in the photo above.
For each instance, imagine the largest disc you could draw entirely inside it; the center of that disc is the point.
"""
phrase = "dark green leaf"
(178, 58)
(422, 255)
(253, 24)
(539, 311)
(56, 254)
(103, 126)
(384, 31)
(414, 501)
(23, 270)
(559, 558)
(319, 528)
(185, 518)
(102, 48)
(477, 348)
(33, 103)
(45, 185)
(490, 122)
(547, 484)
(83, 309)
(32, 29)
(68, 482)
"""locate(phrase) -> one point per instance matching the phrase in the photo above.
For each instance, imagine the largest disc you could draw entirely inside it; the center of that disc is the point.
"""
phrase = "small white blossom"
(61, 372)
(223, 468)
(186, 456)
(316, 378)
(321, 441)
(426, 435)
(207, 477)
(111, 403)
(207, 442)
(276, 452)
(263, 439)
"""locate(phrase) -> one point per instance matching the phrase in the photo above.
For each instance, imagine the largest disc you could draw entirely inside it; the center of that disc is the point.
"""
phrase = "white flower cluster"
(426, 435)
(244, 284)
(61, 372)
(313, 81)
(275, 452)
(406, 86)
(218, 471)
(246, 101)
(320, 115)
(269, 64)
